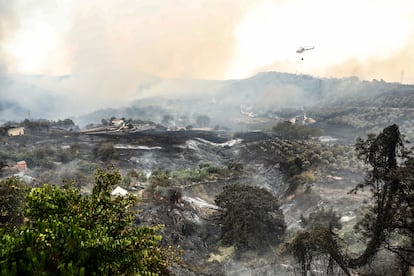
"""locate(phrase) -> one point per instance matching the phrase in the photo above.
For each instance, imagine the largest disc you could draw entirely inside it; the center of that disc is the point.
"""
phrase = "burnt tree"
(389, 221)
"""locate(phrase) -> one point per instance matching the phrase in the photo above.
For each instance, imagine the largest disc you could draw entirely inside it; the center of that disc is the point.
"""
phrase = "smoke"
(117, 46)
(111, 49)
(369, 39)
(114, 52)
(397, 66)
(8, 23)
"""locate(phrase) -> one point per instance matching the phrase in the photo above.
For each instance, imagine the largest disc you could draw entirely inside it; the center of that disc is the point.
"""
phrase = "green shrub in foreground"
(66, 233)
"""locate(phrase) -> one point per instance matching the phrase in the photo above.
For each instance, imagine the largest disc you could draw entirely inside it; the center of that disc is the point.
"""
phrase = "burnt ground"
(191, 225)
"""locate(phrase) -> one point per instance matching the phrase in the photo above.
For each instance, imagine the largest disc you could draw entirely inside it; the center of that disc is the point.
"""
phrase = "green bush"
(160, 178)
(70, 234)
(12, 193)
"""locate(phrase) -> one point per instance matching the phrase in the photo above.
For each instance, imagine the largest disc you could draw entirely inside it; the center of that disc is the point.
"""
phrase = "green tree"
(252, 218)
(70, 234)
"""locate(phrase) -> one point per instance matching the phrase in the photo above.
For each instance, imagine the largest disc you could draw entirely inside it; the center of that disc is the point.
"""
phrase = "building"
(118, 191)
(15, 131)
(118, 122)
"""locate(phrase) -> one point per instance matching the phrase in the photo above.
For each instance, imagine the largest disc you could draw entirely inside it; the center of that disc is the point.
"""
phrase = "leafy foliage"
(252, 218)
(12, 194)
(70, 234)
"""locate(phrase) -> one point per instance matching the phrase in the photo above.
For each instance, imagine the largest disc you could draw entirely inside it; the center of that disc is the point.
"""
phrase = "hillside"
(340, 106)
(180, 154)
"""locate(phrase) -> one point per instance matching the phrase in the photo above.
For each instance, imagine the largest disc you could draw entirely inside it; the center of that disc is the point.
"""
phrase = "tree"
(314, 246)
(390, 219)
(318, 244)
(66, 123)
(69, 234)
(252, 218)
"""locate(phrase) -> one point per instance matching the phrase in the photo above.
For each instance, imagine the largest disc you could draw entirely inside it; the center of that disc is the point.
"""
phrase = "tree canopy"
(12, 194)
(252, 218)
(66, 233)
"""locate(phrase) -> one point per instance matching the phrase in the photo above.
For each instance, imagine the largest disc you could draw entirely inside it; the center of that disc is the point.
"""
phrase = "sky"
(111, 47)
(209, 39)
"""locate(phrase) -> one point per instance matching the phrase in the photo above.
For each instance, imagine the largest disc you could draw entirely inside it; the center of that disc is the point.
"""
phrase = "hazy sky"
(115, 41)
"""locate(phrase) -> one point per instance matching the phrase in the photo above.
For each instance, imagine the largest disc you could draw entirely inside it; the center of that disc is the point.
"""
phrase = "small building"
(15, 131)
(118, 122)
(118, 191)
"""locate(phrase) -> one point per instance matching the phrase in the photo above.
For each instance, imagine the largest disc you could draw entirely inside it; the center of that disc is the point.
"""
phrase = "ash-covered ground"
(198, 164)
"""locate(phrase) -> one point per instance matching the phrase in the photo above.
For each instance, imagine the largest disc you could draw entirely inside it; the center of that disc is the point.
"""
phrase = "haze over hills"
(259, 96)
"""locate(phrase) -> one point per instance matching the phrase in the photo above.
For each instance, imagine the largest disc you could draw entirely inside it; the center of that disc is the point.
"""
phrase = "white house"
(16, 131)
(119, 191)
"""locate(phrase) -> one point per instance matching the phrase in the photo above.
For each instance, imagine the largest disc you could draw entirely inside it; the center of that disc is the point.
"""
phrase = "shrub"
(105, 151)
(70, 234)
(12, 193)
(252, 218)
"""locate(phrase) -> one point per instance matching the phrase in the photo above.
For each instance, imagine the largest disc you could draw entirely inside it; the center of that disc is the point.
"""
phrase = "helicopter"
(300, 50)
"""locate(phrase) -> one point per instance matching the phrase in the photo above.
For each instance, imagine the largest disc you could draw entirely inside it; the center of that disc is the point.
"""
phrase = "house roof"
(119, 191)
